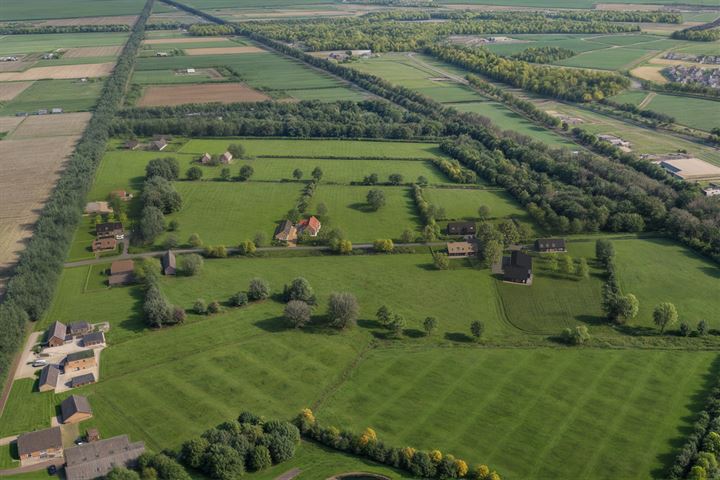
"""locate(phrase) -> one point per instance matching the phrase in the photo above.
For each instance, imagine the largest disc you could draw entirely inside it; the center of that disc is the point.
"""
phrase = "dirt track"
(60, 72)
(200, 93)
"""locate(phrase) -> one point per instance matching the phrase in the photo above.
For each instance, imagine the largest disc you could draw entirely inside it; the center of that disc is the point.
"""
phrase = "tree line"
(583, 16)
(21, 29)
(575, 84)
(30, 290)
(543, 54)
(708, 32)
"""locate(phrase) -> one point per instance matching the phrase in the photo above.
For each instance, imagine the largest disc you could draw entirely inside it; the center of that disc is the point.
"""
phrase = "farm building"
(48, 378)
(109, 229)
(189, 70)
(206, 159)
(545, 245)
(311, 226)
(461, 228)
(93, 339)
(96, 459)
(132, 144)
(56, 110)
(56, 334)
(101, 208)
(461, 249)
(121, 272)
(286, 232)
(518, 268)
(92, 435)
(168, 263)
(77, 329)
(613, 140)
(104, 245)
(226, 158)
(40, 444)
(158, 145)
(691, 169)
(712, 190)
(82, 380)
(80, 360)
(122, 195)
(75, 408)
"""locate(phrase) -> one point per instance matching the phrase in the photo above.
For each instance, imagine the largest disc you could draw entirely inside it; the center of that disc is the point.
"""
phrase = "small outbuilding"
(93, 339)
(158, 145)
(80, 360)
(132, 144)
(121, 272)
(40, 444)
(75, 408)
(77, 329)
(56, 334)
(168, 263)
(122, 195)
(206, 159)
(226, 158)
(82, 380)
(48, 378)
(109, 229)
(92, 435)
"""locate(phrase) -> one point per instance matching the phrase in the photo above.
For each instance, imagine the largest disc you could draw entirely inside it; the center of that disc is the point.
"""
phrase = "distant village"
(709, 77)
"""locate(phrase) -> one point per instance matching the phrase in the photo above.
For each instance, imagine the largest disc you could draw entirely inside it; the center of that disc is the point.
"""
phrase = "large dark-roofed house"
(96, 459)
(79, 328)
(80, 360)
(82, 380)
(545, 245)
(75, 408)
(168, 263)
(48, 378)
(40, 444)
(56, 334)
(518, 269)
(461, 228)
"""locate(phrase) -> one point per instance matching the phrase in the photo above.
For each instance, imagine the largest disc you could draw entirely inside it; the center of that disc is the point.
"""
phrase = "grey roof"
(121, 278)
(49, 375)
(58, 330)
(108, 227)
(39, 440)
(82, 380)
(95, 459)
(76, 327)
(79, 355)
(550, 243)
(168, 259)
(94, 337)
(74, 404)
(519, 267)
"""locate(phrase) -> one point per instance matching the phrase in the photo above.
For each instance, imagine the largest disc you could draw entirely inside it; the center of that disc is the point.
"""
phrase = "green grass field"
(70, 95)
(693, 112)
(349, 211)
(608, 59)
(464, 203)
(46, 42)
(531, 413)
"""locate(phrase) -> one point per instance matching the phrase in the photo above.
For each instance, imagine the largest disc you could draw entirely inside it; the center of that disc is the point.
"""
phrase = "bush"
(247, 248)
(194, 173)
(299, 289)
(240, 299)
(191, 264)
(576, 336)
(200, 306)
(384, 245)
(195, 241)
(216, 251)
(214, 307)
(259, 289)
(343, 310)
(260, 458)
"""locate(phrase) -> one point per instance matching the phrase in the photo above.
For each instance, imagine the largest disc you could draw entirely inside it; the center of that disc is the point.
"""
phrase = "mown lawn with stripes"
(538, 413)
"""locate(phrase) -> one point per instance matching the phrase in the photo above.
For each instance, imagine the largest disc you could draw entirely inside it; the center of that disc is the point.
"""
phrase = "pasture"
(198, 93)
(461, 203)
(70, 95)
(693, 112)
(48, 42)
(529, 413)
(349, 211)
(44, 9)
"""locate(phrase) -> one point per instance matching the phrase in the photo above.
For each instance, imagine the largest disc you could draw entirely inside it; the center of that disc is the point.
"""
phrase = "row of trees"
(543, 54)
(210, 30)
(695, 34)
(25, 29)
(419, 463)
(151, 466)
(157, 309)
(634, 109)
(454, 171)
(579, 15)
(575, 84)
(158, 198)
(30, 290)
(618, 306)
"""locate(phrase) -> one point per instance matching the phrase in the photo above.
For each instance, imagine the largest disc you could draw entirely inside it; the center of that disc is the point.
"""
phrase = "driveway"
(27, 357)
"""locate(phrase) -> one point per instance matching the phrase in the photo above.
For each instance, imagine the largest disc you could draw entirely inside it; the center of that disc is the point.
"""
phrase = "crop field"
(10, 90)
(528, 412)
(464, 203)
(82, 52)
(199, 93)
(608, 59)
(44, 9)
(47, 42)
(60, 72)
(348, 210)
(693, 112)
(222, 50)
(51, 125)
(70, 95)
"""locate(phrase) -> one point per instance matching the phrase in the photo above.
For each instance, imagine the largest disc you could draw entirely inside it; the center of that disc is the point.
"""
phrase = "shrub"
(194, 173)
(200, 306)
(259, 289)
(343, 310)
(297, 313)
(191, 264)
(247, 248)
(299, 289)
(239, 299)
(214, 307)
(195, 241)
(384, 245)
(260, 459)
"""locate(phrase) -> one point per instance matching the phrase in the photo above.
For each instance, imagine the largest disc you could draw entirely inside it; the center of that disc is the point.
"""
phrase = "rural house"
(168, 263)
(286, 232)
(518, 268)
(226, 158)
(80, 360)
(101, 208)
(82, 380)
(75, 408)
(121, 272)
(132, 144)
(48, 378)
(109, 229)
(461, 249)
(545, 245)
(461, 228)
(206, 159)
(78, 329)
(96, 459)
(93, 339)
(310, 226)
(56, 334)
(101, 245)
(41, 444)
(158, 145)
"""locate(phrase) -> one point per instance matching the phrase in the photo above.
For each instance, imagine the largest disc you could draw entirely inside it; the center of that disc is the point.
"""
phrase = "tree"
(236, 150)
(604, 250)
(247, 247)
(194, 173)
(152, 224)
(195, 241)
(214, 307)
(407, 236)
(171, 241)
(299, 289)
(509, 232)
(576, 336)
(193, 451)
(395, 179)
(484, 212)
(422, 181)
(582, 270)
(317, 174)
(383, 245)
(344, 247)
(371, 179)
(628, 306)
(167, 168)
(430, 232)
(297, 313)
(260, 458)
(702, 328)
(239, 299)
(260, 239)
(159, 192)
(430, 324)
(567, 265)
(225, 174)
(191, 264)
(224, 462)
(321, 210)
(343, 310)
(384, 314)
(492, 252)
(200, 306)
(294, 215)
(297, 174)
(246, 172)
(259, 289)
(441, 261)
(552, 260)
(397, 324)
(477, 328)
(178, 315)
(120, 473)
(664, 315)
(376, 199)
(684, 329)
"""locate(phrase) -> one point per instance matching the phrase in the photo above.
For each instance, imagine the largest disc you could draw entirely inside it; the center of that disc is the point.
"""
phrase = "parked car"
(119, 237)
(39, 363)
(52, 470)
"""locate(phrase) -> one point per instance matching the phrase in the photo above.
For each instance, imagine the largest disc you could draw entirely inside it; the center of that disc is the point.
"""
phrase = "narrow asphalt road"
(180, 251)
